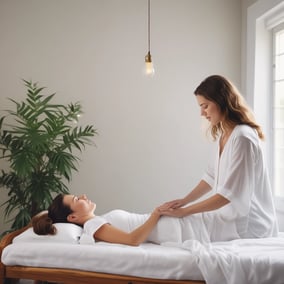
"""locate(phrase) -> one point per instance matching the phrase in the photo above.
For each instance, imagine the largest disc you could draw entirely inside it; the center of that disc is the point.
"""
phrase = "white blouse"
(239, 174)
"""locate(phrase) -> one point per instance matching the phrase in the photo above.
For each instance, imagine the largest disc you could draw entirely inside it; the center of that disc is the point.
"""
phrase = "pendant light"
(149, 68)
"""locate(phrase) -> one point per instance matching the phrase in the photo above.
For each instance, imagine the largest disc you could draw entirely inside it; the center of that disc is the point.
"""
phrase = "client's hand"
(157, 211)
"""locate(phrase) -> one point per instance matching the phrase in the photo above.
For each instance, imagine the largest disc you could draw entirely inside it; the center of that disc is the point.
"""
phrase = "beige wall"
(150, 146)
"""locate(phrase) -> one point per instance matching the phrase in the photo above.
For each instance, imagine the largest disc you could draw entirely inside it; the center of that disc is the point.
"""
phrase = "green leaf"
(38, 143)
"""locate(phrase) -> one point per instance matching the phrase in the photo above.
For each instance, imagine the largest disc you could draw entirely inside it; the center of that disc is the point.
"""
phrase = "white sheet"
(245, 261)
(147, 260)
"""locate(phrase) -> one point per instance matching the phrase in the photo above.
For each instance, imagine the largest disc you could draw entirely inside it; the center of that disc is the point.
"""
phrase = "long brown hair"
(232, 105)
(43, 224)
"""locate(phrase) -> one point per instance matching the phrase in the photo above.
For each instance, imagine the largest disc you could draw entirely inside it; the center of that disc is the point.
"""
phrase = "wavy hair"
(232, 105)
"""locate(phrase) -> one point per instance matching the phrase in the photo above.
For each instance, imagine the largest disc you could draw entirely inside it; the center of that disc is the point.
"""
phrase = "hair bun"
(42, 224)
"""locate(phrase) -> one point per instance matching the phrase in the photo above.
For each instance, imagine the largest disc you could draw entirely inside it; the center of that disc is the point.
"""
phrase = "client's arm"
(111, 234)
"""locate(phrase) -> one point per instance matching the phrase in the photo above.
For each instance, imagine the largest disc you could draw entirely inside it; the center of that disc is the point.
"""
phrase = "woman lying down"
(119, 226)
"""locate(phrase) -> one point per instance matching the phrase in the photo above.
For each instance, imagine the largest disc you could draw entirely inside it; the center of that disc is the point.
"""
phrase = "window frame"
(275, 31)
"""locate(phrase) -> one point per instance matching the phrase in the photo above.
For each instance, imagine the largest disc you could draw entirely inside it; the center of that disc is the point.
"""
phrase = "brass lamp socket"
(148, 57)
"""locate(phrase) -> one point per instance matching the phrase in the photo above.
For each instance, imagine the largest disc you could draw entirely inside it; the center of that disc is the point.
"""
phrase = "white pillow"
(66, 233)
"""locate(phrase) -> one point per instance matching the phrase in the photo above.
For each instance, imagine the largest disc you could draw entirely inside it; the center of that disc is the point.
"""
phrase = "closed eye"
(204, 106)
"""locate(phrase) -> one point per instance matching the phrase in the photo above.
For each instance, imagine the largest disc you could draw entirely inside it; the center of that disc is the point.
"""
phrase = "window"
(264, 85)
(278, 111)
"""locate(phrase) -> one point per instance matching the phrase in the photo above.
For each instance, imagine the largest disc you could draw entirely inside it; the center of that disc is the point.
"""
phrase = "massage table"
(62, 259)
(25, 262)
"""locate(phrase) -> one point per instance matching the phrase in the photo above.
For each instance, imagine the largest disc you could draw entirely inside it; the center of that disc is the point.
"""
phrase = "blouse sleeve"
(237, 174)
(209, 175)
(90, 228)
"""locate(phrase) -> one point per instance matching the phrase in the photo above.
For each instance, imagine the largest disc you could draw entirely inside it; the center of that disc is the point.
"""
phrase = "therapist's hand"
(174, 204)
(179, 212)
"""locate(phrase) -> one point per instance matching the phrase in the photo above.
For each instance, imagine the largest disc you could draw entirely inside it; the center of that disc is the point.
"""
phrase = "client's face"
(79, 204)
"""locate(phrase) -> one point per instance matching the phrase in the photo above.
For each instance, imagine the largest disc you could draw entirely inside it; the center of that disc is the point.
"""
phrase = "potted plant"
(38, 140)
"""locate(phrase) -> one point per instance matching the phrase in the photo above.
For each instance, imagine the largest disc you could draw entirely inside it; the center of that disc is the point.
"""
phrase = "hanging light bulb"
(149, 68)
